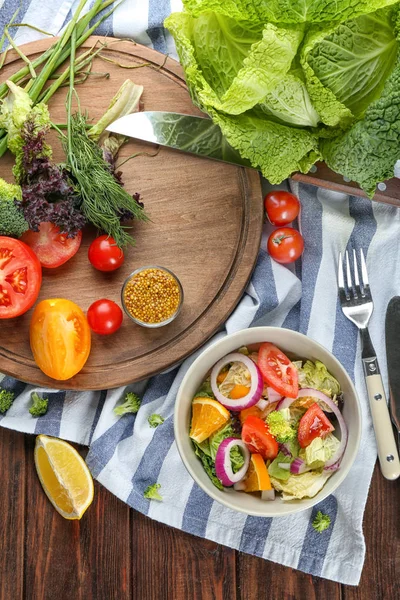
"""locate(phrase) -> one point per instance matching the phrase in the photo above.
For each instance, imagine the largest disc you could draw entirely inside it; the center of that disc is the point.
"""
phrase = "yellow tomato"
(60, 338)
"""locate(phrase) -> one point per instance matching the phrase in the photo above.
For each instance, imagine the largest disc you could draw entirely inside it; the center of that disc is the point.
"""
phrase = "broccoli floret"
(12, 221)
(6, 399)
(280, 428)
(151, 492)
(155, 420)
(321, 522)
(131, 404)
(39, 406)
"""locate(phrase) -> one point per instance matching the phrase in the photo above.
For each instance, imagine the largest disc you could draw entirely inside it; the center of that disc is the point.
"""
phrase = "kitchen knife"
(392, 332)
(196, 135)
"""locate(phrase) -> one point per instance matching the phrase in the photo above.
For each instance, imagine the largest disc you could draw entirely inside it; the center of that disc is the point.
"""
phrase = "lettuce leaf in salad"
(319, 451)
(306, 485)
(238, 374)
(208, 465)
(205, 390)
(275, 470)
(237, 458)
(316, 375)
(219, 436)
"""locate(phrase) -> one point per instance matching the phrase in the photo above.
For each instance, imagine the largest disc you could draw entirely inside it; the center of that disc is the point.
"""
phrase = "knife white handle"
(385, 440)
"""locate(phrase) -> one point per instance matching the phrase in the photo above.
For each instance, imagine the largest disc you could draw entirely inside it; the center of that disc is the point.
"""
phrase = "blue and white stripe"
(126, 455)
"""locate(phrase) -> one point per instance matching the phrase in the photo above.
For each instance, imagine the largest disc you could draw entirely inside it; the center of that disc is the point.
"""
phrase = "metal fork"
(357, 305)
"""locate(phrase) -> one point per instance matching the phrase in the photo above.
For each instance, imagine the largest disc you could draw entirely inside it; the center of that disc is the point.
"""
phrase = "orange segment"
(222, 376)
(239, 391)
(64, 476)
(257, 478)
(208, 415)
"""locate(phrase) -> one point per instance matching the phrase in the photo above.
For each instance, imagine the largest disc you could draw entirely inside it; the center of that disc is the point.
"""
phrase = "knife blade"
(392, 334)
(187, 133)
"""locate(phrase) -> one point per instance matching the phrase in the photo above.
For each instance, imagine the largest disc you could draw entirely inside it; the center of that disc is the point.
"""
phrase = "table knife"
(196, 135)
(392, 331)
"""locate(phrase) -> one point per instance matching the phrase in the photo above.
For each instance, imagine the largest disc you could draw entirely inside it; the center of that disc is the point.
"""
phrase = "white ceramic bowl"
(288, 341)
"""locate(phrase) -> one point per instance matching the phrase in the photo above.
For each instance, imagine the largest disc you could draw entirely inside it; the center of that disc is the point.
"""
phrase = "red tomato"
(277, 370)
(20, 278)
(52, 248)
(104, 317)
(104, 254)
(281, 207)
(285, 245)
(314, 423)
(258, 439)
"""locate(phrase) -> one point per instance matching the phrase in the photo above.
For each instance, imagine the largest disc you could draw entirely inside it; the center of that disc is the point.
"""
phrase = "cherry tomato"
(285, 245)
(52, 248)
(258, 439)
(60, 338)
(277, 370)
(281, 207)
(104, 254)
(314, 423)
(104, 317)
(20, 278)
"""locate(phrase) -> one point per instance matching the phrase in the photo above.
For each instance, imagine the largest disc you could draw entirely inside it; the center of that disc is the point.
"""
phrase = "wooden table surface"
(115, 553)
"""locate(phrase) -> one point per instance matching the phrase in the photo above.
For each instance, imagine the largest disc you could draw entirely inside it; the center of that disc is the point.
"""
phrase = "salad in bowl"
(271, 428)
(263, 423)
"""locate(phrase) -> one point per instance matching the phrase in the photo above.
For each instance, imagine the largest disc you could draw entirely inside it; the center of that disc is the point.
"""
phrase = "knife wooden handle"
(387, 448)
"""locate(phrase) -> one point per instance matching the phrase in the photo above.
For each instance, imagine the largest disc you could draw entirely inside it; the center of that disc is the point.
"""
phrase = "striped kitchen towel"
(126, 455)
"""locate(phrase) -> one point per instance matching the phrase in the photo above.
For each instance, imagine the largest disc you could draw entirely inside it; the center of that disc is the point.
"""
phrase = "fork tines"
(352, 272)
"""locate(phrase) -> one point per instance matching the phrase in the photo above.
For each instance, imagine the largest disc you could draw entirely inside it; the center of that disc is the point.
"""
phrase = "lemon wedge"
(64, 476)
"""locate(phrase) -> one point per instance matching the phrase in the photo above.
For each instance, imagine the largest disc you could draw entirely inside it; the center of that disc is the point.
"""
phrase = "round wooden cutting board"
(206, 222)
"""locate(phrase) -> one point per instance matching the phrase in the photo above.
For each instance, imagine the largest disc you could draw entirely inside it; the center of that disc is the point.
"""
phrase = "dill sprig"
(102, 197)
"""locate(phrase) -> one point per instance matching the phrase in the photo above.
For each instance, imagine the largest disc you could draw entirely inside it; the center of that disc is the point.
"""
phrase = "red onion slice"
(312, 393)
(223, 465)
(256, 387)
(298, 466)
(262, 404)
(273, 395)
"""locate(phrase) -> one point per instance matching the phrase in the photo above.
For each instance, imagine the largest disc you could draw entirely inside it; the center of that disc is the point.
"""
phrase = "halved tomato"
(314, 423)
(60, 338)
(52, 248)
(20, 278)
(258, 439)
(277, 370)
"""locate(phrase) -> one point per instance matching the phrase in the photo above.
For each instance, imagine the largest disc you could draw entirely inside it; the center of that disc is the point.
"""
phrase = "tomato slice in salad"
(258, 439)
(277, 370)
(52, 248)
(314, 423)
(20, 278)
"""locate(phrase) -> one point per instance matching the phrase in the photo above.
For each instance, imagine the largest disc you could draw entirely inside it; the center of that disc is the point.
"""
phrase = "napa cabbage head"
(287, 11)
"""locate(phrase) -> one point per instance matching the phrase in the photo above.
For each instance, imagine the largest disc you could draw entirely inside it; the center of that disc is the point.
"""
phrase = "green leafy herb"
(321, 522)
(103, 199)
(151, 492)
(155, 420)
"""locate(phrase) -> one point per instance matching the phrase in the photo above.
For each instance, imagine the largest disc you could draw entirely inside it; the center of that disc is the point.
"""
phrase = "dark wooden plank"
(80, 560)
(12, 514)
(169, 564)
(380, 579)
(265, 580)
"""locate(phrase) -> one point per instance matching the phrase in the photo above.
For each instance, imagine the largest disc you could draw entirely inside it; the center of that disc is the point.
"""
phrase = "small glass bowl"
(144, 323)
